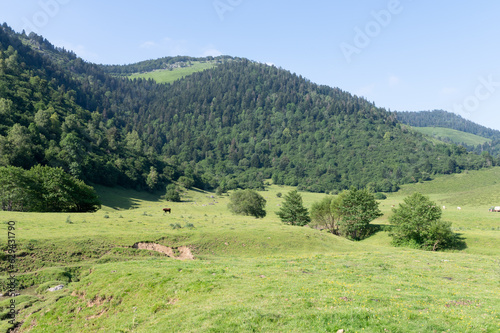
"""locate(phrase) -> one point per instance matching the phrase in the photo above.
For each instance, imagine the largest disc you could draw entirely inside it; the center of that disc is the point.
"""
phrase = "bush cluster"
(45, 189)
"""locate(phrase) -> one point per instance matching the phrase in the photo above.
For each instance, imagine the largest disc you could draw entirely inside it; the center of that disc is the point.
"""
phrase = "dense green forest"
(440, 118)
(55, 110)
(231, 126)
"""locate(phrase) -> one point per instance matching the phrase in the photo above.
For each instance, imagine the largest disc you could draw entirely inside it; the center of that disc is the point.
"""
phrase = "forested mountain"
(440, 118)
(230, 126)
(55, 110)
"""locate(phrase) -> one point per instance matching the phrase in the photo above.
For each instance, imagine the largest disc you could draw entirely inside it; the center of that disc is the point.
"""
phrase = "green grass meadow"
(169, 76)
(455, 136)
(253, 275)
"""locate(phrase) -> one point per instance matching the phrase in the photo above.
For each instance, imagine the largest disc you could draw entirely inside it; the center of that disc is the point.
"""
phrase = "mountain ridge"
(231, 126)
(445, 119)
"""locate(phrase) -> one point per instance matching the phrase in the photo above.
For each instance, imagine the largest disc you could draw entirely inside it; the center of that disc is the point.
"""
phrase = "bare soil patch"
(181, 253)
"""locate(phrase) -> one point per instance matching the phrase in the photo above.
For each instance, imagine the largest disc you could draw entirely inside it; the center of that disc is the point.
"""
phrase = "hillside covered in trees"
(231, 126)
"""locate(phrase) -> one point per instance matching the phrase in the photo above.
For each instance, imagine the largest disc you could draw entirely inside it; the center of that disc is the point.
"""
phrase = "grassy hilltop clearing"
(254, 274)
(450, 127)
(168, 76)
(455, 136)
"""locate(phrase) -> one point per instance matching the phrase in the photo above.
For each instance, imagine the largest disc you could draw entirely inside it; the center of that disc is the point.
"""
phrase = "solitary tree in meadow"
(293, 211)
(416, 223)
(172, 193)
(247, 202)
(357, 209)
(349, 214)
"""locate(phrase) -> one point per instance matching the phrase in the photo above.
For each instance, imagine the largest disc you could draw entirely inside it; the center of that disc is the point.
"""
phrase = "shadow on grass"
(121, 198)
(199, 190)
(459, 243)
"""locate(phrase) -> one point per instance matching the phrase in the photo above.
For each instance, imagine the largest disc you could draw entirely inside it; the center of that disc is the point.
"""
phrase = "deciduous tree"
(247, 202)
(416, 223)
(172, 193)
(357, 209)
(326, 214)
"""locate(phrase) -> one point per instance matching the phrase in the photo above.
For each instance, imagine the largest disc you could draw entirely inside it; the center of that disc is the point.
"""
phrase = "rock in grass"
(59, 287)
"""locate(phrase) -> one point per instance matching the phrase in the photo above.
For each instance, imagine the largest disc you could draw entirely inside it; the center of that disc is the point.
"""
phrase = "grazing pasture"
(253, 274)
(452, 135)
(169, 76)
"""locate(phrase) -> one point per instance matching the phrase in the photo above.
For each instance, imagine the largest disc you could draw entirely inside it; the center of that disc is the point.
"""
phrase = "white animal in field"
(444, 207)
(459, 208)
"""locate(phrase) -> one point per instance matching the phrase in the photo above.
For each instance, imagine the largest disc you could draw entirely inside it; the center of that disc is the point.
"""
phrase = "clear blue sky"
(400, 54)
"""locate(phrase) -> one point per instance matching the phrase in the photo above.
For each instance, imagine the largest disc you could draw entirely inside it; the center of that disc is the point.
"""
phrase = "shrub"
(172, 193)
(247, 202)
(417, 222)
(348, 215)
(219, 191)
(324, 214)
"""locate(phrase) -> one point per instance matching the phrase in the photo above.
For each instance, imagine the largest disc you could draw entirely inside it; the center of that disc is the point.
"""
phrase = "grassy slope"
(168, 76)
(257, 274)
(454, 135)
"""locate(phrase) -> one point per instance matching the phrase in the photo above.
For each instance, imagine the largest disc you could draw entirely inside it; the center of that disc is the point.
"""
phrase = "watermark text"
(11, 270)
(224, 6)
(363, 36)
(483, 91)
(48, 10)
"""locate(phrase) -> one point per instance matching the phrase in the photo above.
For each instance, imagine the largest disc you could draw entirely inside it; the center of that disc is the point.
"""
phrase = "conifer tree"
(293, 211)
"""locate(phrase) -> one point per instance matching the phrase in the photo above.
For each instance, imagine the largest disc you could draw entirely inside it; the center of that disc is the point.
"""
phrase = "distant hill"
(451, 135)
(426, 122)
(440, 118)
(233, 125)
